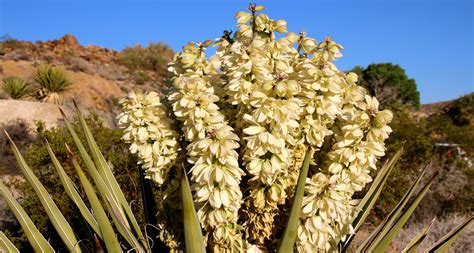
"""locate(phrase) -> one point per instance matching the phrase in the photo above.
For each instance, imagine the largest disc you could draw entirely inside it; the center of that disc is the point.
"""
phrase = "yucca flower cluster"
(244, 119)
(150, 131)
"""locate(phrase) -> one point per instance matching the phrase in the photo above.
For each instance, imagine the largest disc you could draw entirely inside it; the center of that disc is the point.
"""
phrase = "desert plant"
(153, 58)
(438, 228)
(6, 42)
(52, 81)
(241, 121)
(110, 199)
(16, 87)
(270, 133)
(32, 146)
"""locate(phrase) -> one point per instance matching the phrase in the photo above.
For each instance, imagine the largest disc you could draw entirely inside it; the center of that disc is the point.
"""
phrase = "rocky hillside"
(100, 76)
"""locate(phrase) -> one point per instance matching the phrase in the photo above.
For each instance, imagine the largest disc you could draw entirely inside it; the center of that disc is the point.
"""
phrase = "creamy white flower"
(248, 114)
(150, 132)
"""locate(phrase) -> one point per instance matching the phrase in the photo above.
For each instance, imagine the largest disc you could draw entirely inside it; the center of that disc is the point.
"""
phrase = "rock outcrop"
(31, 112)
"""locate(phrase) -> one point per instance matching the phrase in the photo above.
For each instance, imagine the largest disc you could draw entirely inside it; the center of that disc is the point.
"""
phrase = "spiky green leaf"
(106, 229)
(366, 204)
(192, 228)
(382, 244)
(6, 245)
(418, 239)
(60, 223)
(36, 239)
(386, 224)
(289, 236)
(443, 244)
(72, 192)
(106, 173)
(113, 207)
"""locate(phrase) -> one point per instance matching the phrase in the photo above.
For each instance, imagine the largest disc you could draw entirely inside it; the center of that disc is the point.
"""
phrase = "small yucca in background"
(16, 87)
(53, 81)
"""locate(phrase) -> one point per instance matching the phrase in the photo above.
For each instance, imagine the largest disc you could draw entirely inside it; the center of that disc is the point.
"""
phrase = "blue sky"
(431, 39)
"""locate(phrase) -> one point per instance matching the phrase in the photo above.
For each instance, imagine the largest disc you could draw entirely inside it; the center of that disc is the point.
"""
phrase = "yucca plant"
(16, 87)
(123, 233)
(244, 121)
(270, 133)
(52, 81)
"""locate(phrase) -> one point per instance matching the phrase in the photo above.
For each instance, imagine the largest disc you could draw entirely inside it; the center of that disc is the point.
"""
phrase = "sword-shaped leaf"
(386, 224)
(384, 241)
(72, 192)
(6, 245)
(106, 229)
(366, 204)
(287, 242)
(60, 223)
(192, 230)
(113, 207)
(416, 241)
(36, 239)
(108, 177)
(443, 244)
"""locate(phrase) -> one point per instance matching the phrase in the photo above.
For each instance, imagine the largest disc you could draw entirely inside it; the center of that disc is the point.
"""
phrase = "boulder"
(68, 40)
(30, 112)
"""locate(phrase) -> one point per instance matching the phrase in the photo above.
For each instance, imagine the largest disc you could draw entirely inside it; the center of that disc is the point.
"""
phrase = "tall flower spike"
(150, 131)
(212, 150)
(328, 206)
(258, 82)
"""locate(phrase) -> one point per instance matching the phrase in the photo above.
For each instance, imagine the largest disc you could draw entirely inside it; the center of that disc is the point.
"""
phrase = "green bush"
(16, 87)
(462, 111)
(154, 57)
(125, 171)
(419, 136)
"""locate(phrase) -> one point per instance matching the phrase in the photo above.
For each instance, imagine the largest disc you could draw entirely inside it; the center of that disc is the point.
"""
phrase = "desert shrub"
(454, 128)
(418, 149)
(123, 164)
(452, 192)
(443, 129)
(52, 80)
(462, 111)
(154, 57)
(77, 64)
(141, 77)
(6, 42)
(20, 131)
(16, 87)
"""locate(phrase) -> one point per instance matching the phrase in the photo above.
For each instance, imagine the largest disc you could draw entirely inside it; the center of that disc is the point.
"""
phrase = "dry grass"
(440, 228)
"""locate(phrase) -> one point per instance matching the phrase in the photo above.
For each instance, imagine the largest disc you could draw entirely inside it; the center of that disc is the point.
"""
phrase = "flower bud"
(308, 45)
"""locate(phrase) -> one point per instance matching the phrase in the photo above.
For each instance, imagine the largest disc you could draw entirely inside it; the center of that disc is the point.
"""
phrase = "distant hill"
(100, 76)
(461, 110)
